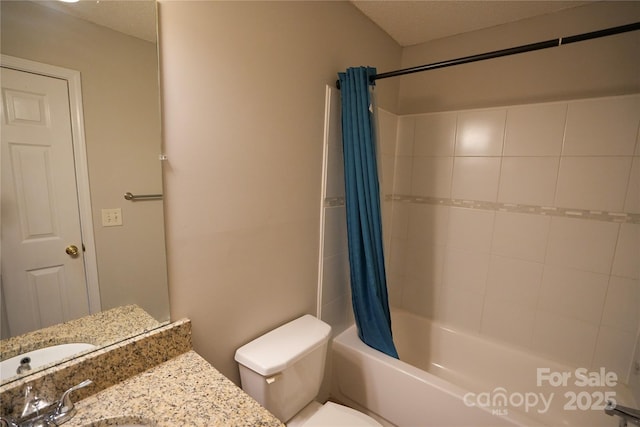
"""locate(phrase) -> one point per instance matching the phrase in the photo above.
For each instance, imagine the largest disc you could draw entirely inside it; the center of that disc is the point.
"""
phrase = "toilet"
(283, 370)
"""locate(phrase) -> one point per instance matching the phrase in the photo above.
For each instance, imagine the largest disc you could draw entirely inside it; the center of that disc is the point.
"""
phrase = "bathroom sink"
(40, 357)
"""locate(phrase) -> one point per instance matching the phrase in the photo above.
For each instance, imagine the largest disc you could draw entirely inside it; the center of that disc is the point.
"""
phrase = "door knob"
(72, 250)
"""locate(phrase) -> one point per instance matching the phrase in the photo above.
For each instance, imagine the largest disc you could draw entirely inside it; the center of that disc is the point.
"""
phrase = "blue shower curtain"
(364, 225)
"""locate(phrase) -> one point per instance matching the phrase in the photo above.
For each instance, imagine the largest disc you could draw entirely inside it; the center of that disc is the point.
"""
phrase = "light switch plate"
(111, 217)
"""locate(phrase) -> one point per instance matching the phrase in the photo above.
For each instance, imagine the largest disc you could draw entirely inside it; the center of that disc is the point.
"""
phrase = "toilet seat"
(334, 415)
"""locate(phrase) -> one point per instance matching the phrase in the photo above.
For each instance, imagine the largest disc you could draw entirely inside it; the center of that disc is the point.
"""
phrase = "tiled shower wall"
(520, 223)
(334, 294)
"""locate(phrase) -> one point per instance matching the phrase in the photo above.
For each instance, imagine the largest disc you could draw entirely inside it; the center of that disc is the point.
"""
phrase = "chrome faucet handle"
(66, 409)
(33, 403)
(627, 415)
(7, 422)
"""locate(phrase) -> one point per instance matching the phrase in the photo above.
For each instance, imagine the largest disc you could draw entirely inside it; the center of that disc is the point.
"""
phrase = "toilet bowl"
(283, 371)
(331, 414)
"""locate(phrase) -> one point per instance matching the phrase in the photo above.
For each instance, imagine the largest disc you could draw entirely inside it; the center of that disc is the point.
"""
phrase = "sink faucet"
(32, 402)
(38, 413)
(65, 408)
(24, 366)
(6, 422)
(627, 415)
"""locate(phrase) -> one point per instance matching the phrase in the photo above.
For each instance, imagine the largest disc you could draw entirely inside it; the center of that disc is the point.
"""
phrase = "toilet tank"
(283, 369)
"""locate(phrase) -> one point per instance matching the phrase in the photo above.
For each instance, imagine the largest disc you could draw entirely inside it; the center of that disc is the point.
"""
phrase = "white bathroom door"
(43, 277)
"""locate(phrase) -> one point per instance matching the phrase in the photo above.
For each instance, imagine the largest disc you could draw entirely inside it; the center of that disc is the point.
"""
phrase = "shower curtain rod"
(506, 52)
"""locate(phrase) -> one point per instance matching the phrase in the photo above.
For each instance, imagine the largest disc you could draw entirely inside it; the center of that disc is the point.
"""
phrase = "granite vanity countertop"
(184, 391)
(99, 329)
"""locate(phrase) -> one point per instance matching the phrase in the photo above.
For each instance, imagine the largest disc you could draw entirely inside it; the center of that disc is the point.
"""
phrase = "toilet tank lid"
(276, 350)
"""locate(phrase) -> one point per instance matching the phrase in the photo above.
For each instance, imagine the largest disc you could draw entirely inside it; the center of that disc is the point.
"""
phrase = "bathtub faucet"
(627, 415)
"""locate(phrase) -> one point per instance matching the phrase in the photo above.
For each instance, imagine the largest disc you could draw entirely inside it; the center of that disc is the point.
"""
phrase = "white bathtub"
(452, 378)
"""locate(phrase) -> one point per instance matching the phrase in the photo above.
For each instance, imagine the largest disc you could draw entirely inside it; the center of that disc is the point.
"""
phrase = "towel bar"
(134, 197)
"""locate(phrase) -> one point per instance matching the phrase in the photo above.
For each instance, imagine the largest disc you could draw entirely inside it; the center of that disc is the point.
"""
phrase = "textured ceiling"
(136, 18)
(413, 22)
(407, 22)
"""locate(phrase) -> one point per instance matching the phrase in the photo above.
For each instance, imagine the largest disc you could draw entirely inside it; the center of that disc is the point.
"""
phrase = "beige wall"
(243, 100)
(607, 66)
(122, 130)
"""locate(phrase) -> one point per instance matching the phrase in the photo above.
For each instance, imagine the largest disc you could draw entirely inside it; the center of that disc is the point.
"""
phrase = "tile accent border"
(618, 217)
(332, 202)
